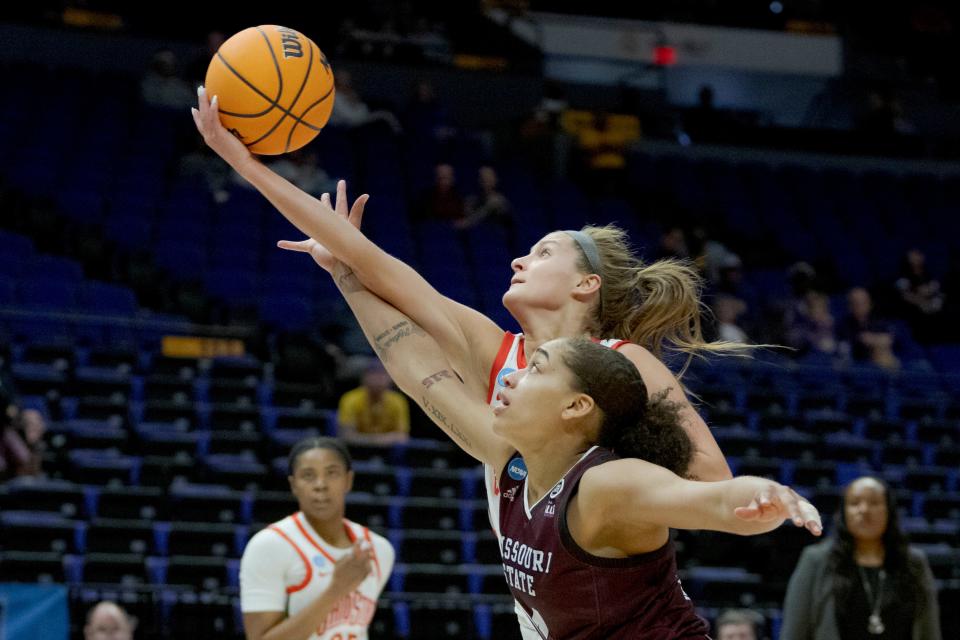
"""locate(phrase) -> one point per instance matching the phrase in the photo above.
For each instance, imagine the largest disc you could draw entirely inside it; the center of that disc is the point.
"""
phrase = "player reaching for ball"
(314, 575)
(571, 284)
(584, 531)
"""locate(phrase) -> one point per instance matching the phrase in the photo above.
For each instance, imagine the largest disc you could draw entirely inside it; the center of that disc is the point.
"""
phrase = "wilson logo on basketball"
(292, 48)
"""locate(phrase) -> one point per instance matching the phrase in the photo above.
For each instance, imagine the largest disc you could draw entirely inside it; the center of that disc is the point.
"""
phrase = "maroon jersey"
(572, 595)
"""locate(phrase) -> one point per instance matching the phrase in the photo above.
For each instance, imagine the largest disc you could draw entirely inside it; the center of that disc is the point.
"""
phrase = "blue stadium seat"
(40, 531)
(47, 293)
(106, 298)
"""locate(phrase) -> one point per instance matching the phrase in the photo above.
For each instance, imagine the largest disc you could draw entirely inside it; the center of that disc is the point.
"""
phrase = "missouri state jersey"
(568, 594)
(510, 358)
(287, 565)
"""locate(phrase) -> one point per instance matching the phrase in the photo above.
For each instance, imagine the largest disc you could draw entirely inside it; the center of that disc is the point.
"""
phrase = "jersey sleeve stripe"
(303, 557)
(376, 561)
(296, 521)
(498, 362)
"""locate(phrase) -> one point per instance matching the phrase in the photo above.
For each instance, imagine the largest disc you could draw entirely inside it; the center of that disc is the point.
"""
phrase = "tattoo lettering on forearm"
(433, 378)
(403, 329)
(437, 416)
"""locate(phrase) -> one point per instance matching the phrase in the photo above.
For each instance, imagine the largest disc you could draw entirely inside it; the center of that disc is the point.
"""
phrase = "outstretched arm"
(621, 498)
(411, 356)
(467, 336)
(419, 367)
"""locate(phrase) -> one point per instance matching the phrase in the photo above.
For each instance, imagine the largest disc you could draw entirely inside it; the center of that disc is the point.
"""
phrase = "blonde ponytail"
(657, 306)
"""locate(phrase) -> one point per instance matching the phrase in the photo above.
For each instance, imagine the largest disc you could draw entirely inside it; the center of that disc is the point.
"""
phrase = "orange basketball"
(274, 87)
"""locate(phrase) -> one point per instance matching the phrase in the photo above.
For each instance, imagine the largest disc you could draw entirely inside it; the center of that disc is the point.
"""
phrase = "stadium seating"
(160, 469)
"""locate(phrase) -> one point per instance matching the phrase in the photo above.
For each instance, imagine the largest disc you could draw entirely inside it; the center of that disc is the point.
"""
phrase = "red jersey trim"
(303, 557)
(376, 561)
(616, 345)
(296, 521)
(505, 345)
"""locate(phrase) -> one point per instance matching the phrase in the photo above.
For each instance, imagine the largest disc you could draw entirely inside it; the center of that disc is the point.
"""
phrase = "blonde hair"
(657, 306)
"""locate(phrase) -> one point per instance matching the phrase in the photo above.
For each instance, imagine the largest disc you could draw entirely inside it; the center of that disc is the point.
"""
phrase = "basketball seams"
(276, 65)
(300, 118)
(307, 110)
(272, 103)
(288, 111)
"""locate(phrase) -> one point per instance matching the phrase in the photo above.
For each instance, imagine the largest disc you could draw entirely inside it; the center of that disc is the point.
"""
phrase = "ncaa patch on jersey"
(319, 561)
(503, 373)
(517, 469)
(557, 488)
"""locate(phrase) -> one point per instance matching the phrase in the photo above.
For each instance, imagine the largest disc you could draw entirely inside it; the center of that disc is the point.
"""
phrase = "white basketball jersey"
(510, 358)
(287, 565)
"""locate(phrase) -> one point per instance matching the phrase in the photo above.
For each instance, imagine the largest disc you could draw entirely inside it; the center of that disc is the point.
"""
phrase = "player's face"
(544, 277)
(321, 482)
(865, 509)
(534, 397)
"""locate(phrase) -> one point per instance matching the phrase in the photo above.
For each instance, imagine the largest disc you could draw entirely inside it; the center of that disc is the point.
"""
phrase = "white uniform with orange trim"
(510, 358)
(287, 565)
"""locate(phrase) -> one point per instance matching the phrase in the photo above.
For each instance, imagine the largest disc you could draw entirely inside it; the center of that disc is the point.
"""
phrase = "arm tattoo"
(438, 376)
(438, 417)
(403, 329)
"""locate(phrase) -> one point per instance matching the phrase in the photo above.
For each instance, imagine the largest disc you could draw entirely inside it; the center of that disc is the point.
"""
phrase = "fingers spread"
(356, 212)
(341, 206)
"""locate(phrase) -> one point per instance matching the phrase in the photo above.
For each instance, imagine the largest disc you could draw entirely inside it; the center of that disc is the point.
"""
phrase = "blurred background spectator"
(728, 310)
(442, 200)
(740, 624)
(108, 621)
(867, 338)
(163, 87)
(487, 204)
(864, 581)
(921, 298)
(351, 111)
(373, 413)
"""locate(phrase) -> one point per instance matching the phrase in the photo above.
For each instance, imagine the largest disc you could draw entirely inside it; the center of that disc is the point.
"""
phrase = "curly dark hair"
(634, 425)
(904, 576)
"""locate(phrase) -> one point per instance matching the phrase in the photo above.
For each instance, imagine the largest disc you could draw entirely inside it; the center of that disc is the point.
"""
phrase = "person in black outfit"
(864, 582)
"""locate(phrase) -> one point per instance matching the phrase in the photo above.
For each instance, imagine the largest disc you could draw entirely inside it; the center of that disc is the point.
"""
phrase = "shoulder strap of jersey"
(306, 563)
(611, 343)
(505, 344)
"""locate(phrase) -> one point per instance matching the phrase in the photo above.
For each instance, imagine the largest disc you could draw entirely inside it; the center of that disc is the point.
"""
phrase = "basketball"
(274, 87)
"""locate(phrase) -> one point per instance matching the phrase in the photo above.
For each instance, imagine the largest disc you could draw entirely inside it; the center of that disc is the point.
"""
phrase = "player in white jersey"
(314, 575)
